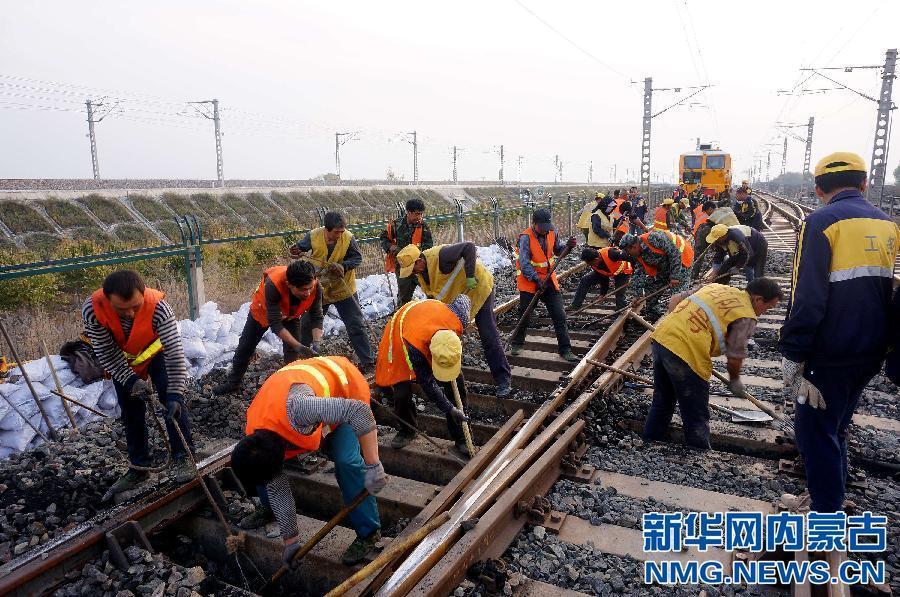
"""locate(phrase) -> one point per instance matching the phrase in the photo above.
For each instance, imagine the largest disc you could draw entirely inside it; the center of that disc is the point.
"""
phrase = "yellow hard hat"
(717, 232)
(446, 355)
(684, 201)
(745, 182)
(668, 201)
(407, 259)
(840, 161)
(600, 196)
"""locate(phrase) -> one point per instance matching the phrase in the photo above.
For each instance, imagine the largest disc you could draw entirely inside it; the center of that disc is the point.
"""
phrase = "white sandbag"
(213, 350)
(108, 399)
(22, 399)
(37, 370)
(7, 388)
(194, 348)
(190, 329)
(18, 439)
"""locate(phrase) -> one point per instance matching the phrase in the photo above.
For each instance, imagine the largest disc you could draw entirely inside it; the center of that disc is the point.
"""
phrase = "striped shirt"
(113, 361)
(305, 412)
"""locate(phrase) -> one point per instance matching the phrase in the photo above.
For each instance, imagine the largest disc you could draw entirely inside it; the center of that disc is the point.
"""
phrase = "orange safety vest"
(539, 261)
(700, 218)
(684, 247)
(416, 323)
(329, 377)
(278, 275)
(660, 220)
(390, 264)
(142, 343)
(612, 268)
(616, 212)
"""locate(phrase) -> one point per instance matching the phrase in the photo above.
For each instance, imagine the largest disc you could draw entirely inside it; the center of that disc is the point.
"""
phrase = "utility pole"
(519, 169)
(882, 127)
(768, 168)
(501, 165)
(556, 168)
(645, 137)
(455, 149)
(807, 157)
(590, 171)
(414, 142)
(220, 169)
(90, 118)
(339, 140)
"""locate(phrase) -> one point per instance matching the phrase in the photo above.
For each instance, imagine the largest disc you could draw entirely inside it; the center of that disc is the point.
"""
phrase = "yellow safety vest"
(696, 329)
(584, 218)
(606, 223)
(446, 287)
(333, 290)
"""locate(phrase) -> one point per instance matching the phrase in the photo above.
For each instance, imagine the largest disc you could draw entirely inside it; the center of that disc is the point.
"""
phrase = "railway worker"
(664, 258)
(737, 248)
(411, 229)
(713, 215)
(287, 418)
(626, 223)
(333, 250)
(421, 343)
(836, 331)
(638, 204)
(709, 322)
(679, 208)
(664, 216)
(283, 296)
(596, 229)
(135, 336)
(444, 272)
(536, 252)
(747, 209)
(606, 264)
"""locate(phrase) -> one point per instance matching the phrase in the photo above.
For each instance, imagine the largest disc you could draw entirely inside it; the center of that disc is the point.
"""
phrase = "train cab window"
(693, 162)
(691, 178)
(715, 162)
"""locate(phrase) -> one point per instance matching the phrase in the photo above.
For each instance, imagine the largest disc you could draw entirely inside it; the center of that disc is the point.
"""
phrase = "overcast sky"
(542, 78)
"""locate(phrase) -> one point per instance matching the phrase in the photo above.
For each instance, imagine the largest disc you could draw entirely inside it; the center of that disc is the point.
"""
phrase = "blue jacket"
(841, 284)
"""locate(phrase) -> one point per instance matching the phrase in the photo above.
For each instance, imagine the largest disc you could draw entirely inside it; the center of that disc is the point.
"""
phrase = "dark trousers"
(674, 382)
(700, 250)
(405, 407)
(491, 343)
(134, 412)
(591, 279)
(553, 300)
(352, 316)
(250, 338)
(405, 289)
(822, 434)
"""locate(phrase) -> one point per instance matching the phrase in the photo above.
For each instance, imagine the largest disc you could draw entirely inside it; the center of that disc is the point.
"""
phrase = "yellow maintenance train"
(707, 169)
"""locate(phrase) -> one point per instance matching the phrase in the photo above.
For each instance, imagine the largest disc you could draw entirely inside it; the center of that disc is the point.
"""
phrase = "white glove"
(375, 478)
(792, 373)
(810, 394)
(737, 387)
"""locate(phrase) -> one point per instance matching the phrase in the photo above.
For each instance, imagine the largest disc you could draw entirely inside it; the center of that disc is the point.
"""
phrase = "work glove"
(287, 556)
(572, 243)
(471, 283)
(458, 416)
(295, 251)
(737, 387)
(792, 374)
(173, 410)
(337, 269)
(810, 394)
(376, 478)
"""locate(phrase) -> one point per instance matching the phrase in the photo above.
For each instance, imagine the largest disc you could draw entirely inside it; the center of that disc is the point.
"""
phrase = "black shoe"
(515, 350)
(128, 481)
(260, 517)
(360, 548)
(570, 356)
(460, 449)
(402, 439)
(226, 387)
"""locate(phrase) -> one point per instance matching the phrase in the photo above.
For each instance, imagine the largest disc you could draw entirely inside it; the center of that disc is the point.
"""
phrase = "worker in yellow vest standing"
(409, 229)
(712, 321)
(333, 250)
(446, 271)
(286, 418)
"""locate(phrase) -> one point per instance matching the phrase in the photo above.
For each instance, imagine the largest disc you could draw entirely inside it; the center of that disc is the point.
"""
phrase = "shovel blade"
(750, 416)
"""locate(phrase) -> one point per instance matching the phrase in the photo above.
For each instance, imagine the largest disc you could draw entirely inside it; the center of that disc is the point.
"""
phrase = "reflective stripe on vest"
(713, 321)
(148, 353)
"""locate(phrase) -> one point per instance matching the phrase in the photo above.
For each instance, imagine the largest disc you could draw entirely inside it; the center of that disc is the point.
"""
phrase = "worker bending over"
(737, 248)
(626, 222)
(135, 336)
(536, 252)
(444, 272)
(664, 259)
(664, 217)
(410, 229)
(282, 297)
(289, 416)
(712, 321)
(334, 252)
(747, 209)
(606, 264)
(836, 332)
(711, 215)
(421, 343)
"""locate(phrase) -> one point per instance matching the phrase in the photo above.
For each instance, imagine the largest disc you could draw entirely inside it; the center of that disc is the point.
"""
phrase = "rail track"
(550, 504)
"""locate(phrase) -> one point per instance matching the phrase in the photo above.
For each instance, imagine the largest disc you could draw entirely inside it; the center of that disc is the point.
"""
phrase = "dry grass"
(108, 211)
(20, 218)
(66, 213)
